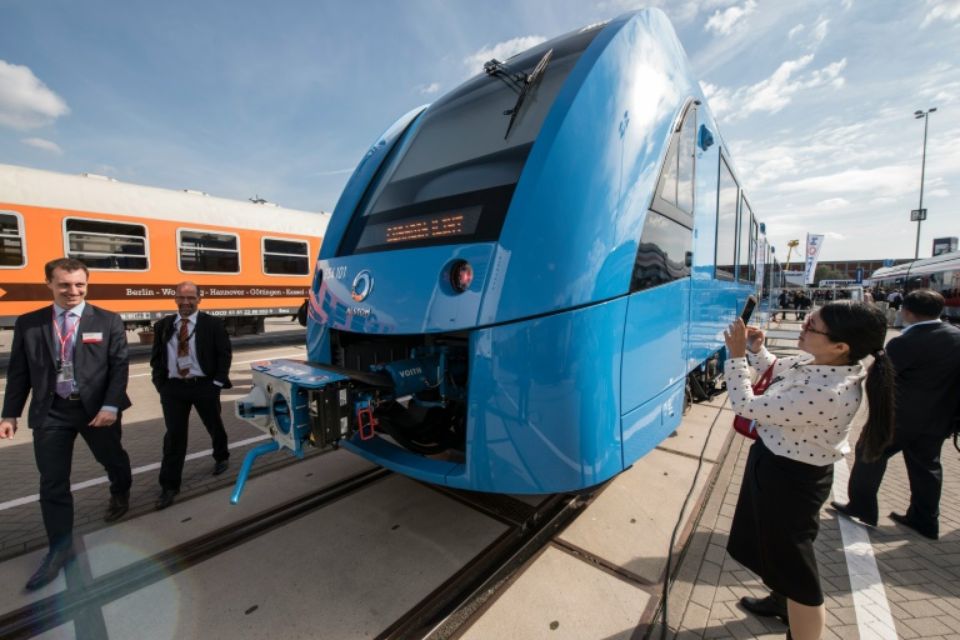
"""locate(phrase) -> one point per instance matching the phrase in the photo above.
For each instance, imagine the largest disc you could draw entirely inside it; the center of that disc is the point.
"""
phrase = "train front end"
(466, 321)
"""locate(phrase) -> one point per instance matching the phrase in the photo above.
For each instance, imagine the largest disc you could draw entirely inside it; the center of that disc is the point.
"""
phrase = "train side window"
(674, 193)
(662, 256)
(208, 252)
(745, 272)
(102, 244)
(12, 246)
(754, 248)
(725, 259)
(285, 257)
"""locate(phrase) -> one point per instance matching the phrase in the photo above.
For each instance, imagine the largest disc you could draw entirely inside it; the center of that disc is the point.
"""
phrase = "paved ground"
(921, 578)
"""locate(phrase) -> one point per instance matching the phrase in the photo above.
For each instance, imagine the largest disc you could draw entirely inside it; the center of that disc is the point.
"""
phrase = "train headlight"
(461, 276)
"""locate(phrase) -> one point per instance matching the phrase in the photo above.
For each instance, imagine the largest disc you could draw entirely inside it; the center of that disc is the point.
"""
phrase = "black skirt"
(777, 520)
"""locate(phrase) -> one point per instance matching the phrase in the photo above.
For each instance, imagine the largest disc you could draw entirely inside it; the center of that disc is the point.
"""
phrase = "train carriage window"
(285, 257)
(745, 270)
(726, 223)
(103, 244)
(12, 246)
(208, 252)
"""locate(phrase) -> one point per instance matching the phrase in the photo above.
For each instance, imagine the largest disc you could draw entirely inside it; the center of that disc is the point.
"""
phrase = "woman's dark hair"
(863, 328)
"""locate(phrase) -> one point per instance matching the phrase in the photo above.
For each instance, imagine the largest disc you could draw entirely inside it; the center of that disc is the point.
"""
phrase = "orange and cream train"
(249, 260)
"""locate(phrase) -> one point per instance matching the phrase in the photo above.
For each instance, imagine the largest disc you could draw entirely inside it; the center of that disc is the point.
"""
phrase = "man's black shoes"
(220, 467)
(50, 568)
(774, 605)
(850, 513)
(165, 499)
(926, 532)
(119, 504)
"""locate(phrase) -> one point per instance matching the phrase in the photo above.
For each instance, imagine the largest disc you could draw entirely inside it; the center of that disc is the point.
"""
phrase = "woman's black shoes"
(774, 605)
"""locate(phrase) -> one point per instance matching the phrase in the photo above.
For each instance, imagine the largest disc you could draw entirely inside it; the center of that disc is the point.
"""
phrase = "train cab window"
(102, 244)
(12, 247)
(451, 179)
(674, 194)
(285, 257)
(208, 252)
(745, 270)
(663, 254)
(726, 223)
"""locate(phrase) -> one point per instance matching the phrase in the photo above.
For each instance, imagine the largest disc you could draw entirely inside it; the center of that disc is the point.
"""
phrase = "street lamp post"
(923, 166)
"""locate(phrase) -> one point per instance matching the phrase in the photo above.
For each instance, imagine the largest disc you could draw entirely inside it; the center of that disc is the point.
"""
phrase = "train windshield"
(453, 181)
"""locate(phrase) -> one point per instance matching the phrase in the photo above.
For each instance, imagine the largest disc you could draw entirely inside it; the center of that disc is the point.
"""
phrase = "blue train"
(519, 279)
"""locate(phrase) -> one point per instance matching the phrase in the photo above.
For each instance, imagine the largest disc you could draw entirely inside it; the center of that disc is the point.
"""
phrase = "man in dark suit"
(190, 364)
(926, 358)
(72, 357)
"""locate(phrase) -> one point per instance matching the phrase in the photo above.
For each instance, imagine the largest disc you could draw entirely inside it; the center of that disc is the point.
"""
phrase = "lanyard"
(64, 339)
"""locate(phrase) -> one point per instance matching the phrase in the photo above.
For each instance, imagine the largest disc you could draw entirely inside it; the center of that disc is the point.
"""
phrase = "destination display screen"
(438, 228)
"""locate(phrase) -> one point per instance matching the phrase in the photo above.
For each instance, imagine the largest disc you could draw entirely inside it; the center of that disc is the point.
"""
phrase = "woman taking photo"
(803, 420)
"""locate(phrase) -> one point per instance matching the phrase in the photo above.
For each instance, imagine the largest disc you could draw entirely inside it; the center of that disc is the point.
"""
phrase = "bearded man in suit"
(190, 364)
(72, 357)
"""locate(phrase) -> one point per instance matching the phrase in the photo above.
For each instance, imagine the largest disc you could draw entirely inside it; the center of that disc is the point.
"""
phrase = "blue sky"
(281, 99)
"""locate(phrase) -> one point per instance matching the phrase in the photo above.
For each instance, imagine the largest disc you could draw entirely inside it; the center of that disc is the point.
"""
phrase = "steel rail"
(442, 613)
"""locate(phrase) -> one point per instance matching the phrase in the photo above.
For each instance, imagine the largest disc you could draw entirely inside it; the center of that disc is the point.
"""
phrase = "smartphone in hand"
(748, 308)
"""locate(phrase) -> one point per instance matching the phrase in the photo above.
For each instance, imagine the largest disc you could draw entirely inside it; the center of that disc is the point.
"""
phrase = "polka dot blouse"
(805, 413)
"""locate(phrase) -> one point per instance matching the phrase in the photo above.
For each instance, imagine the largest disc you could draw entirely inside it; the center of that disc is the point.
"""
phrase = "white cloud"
(774, 93)
(819, 32)
(722, 22)
(25, 102)
(947, 10)
(795, 31)
(501, 51)
(44, 145)
(429, 89)
(831, 204)
(889, 180)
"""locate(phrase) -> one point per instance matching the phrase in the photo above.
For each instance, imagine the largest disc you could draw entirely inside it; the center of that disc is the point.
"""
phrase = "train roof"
(35, 187)
(919, 267)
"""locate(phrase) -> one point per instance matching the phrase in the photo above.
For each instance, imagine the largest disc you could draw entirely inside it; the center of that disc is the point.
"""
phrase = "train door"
(658, 312)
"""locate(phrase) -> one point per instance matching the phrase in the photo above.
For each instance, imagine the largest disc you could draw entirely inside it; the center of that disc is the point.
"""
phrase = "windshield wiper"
(529, 82)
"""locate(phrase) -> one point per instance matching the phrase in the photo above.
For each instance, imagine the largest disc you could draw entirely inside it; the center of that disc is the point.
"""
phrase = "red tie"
(183, 345)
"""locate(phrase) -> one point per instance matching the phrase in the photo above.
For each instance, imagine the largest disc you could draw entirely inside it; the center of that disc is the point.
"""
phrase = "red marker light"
(461, 276)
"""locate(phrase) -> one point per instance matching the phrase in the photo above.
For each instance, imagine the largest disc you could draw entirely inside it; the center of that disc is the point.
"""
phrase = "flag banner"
(814, 242)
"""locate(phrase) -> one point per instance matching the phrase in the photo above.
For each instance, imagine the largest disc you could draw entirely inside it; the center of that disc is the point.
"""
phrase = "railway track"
(440, 615)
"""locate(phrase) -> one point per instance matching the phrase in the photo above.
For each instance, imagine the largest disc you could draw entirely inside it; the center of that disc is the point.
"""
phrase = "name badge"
(65, 372)
(184, 362)
(92, 337)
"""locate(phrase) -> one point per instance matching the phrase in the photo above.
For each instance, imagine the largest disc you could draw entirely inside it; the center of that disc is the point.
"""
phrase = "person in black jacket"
(926, 358)
(190, 364)
(71, 358)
